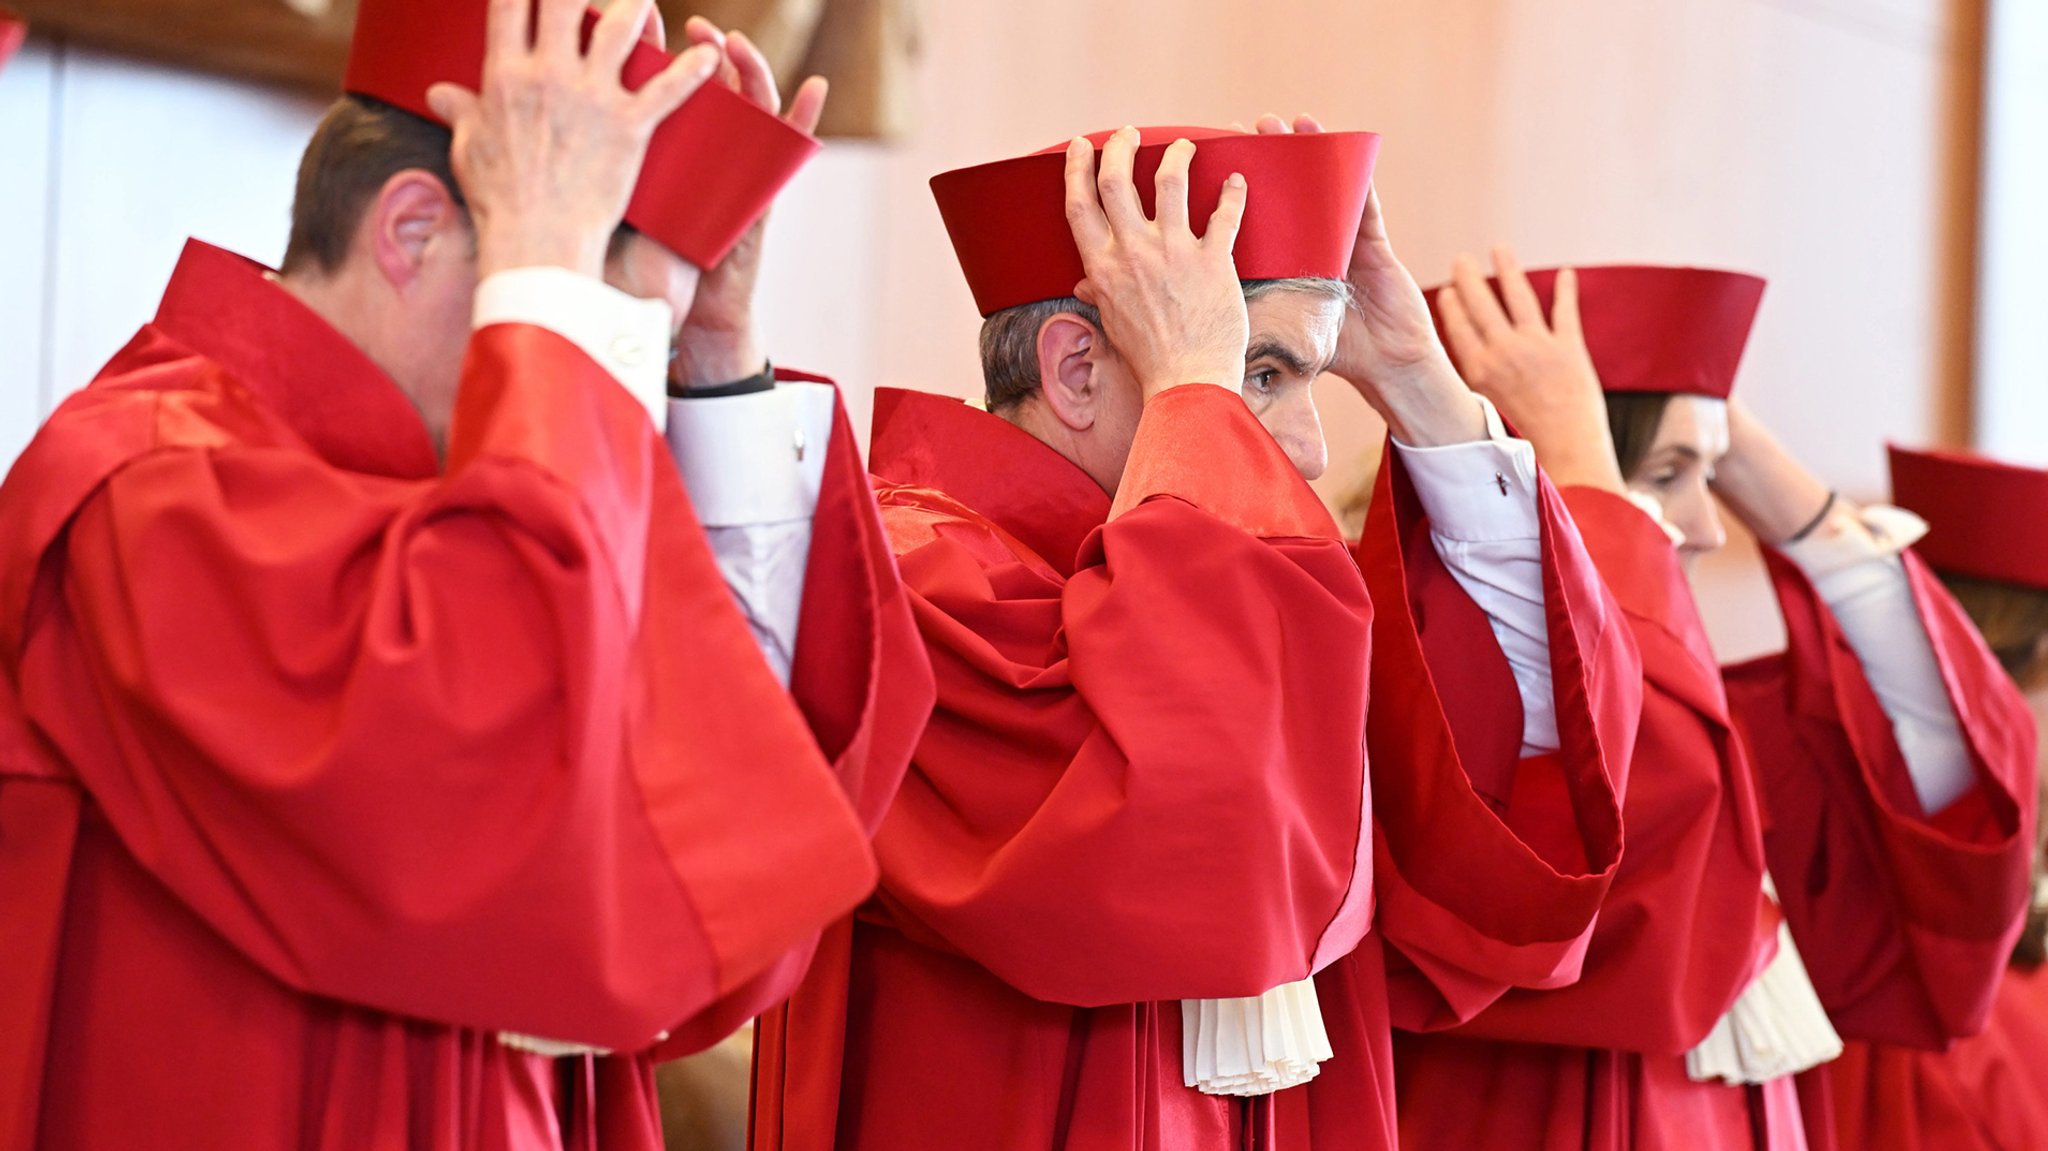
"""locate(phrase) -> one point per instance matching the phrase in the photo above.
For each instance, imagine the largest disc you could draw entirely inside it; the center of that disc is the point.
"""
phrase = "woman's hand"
(1536, 370)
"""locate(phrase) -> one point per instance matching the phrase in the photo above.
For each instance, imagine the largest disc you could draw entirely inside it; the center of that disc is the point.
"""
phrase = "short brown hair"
(359, 145)
(1009, 338)
(1633, 418)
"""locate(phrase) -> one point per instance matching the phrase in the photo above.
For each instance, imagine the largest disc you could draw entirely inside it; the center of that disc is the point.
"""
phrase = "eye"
(1663, 479)
(1262, 380)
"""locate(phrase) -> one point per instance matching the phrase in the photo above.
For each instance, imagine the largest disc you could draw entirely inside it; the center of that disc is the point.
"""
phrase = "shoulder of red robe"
(712, 168)
(1649, 328)
(1974, 507)
(1008, 219)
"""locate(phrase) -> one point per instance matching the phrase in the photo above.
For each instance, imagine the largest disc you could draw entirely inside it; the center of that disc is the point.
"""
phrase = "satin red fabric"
(321, 765)
(1143, 782)
(1601, 1064)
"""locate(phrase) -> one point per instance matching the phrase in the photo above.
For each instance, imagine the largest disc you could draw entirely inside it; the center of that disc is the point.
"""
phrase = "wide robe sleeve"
(494, 750)
(1906, 921)
(1145, 781)
(1490, 868)
(1685, 925)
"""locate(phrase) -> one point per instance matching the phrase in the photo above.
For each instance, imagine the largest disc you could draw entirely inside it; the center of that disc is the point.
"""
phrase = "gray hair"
(1009, 338)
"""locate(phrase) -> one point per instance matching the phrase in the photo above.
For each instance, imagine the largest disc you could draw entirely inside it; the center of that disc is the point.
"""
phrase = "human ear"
(411, 210)
(1069, 377)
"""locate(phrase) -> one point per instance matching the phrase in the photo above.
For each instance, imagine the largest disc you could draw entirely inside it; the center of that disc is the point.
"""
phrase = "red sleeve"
(1146, 781)
(1905, 922)
(862, 680)
(1684, 926)
(494, 750)
(1489, 868)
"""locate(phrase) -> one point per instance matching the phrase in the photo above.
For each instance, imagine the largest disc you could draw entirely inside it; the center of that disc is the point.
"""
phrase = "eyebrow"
(1680, 450)
(1266, 348)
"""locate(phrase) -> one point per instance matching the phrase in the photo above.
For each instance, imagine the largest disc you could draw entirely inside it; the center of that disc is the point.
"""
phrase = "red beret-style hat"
(712, 169)
(13, 30)
(1985, 519)
(1008, 219)
(1656, 329)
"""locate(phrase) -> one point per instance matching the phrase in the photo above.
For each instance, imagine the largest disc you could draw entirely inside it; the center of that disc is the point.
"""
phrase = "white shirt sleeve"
(753, 465)
(1853, 561)
(626, 335)
(1481, 502)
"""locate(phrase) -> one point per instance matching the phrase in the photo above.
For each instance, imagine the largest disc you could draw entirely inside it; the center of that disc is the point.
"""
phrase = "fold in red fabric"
(1600, 1064)
(1144, 783)
(328, 765)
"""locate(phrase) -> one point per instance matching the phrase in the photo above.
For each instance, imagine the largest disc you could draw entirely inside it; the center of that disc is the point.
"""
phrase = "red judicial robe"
(1989, 1092)
(1900, 918)
(321, 765)
(1144, 782)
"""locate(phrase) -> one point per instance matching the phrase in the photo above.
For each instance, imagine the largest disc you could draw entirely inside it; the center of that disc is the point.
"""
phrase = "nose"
(1298, 429)
(1702, 527)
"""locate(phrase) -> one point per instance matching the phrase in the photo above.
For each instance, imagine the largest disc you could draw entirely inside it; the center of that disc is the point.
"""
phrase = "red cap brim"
(1656, 329)
(1307, 191)
(1984, 518)
(712, 168)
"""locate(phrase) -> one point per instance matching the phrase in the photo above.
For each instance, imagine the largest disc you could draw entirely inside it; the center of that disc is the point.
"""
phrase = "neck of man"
(363, 317)
(1033, 416)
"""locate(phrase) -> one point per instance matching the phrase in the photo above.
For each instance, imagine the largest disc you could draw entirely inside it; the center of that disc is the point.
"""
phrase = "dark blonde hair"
(2014, 619)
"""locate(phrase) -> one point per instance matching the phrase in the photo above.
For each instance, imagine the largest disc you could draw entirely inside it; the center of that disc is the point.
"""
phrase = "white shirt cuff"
(1478, 492)
(626, 335)
(753, 459)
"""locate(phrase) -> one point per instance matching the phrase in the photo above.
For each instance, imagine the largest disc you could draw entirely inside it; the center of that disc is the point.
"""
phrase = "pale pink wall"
(1803, 139)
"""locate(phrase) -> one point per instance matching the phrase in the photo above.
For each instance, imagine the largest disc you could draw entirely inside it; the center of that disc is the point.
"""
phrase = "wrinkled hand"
(1388, 348)
(1536, 370)
(1171, 303)
(719, 342)
(548, 151)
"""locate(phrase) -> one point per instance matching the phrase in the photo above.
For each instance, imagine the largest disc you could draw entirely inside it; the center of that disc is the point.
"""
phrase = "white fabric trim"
(626, 335)
(753, 459)
(1776, 1027)
(1853, 561)
(547, 1048)
(1481, 501)
(1253, 1046)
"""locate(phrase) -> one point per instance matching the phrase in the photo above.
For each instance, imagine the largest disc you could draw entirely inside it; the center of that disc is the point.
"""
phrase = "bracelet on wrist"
(760, 381)
(1813, 525)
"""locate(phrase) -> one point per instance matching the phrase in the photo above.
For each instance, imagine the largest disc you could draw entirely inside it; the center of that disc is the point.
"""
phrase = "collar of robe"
(228, 309)
(992, 466)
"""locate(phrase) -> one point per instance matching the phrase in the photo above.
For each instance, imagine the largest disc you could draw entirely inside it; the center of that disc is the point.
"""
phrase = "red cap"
(712, 169)
(1652, 329)
(1008, 219)
(13, 30)
(1982, 515)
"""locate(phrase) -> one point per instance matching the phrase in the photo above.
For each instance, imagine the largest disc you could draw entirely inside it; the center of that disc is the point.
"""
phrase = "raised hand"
(1171, 304)
(547, 152)
(1766, 486)
(719, 342)
(1535, 369)
(1388, 348)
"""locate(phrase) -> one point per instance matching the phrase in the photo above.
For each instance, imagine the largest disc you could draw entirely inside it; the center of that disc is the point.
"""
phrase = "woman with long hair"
(1988, 1092)
(1867, 793)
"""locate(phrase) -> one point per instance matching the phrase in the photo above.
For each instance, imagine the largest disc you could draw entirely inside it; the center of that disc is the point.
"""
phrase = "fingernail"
(1236, 180)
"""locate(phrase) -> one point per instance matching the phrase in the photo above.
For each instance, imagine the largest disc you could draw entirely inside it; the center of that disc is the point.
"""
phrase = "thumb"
(451, 102)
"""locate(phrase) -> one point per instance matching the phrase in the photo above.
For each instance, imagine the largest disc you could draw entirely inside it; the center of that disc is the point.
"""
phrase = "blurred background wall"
(1832, 146)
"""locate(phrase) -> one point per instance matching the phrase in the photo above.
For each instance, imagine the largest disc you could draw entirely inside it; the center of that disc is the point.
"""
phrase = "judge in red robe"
(379, 740)
(1139, 819)
(1986, 1092)
(1879, 771)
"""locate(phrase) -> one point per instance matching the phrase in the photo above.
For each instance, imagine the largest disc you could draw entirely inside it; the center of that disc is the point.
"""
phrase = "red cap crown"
(1008, 219)
(1986, 519)
(712, 169)
(1654, 329)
